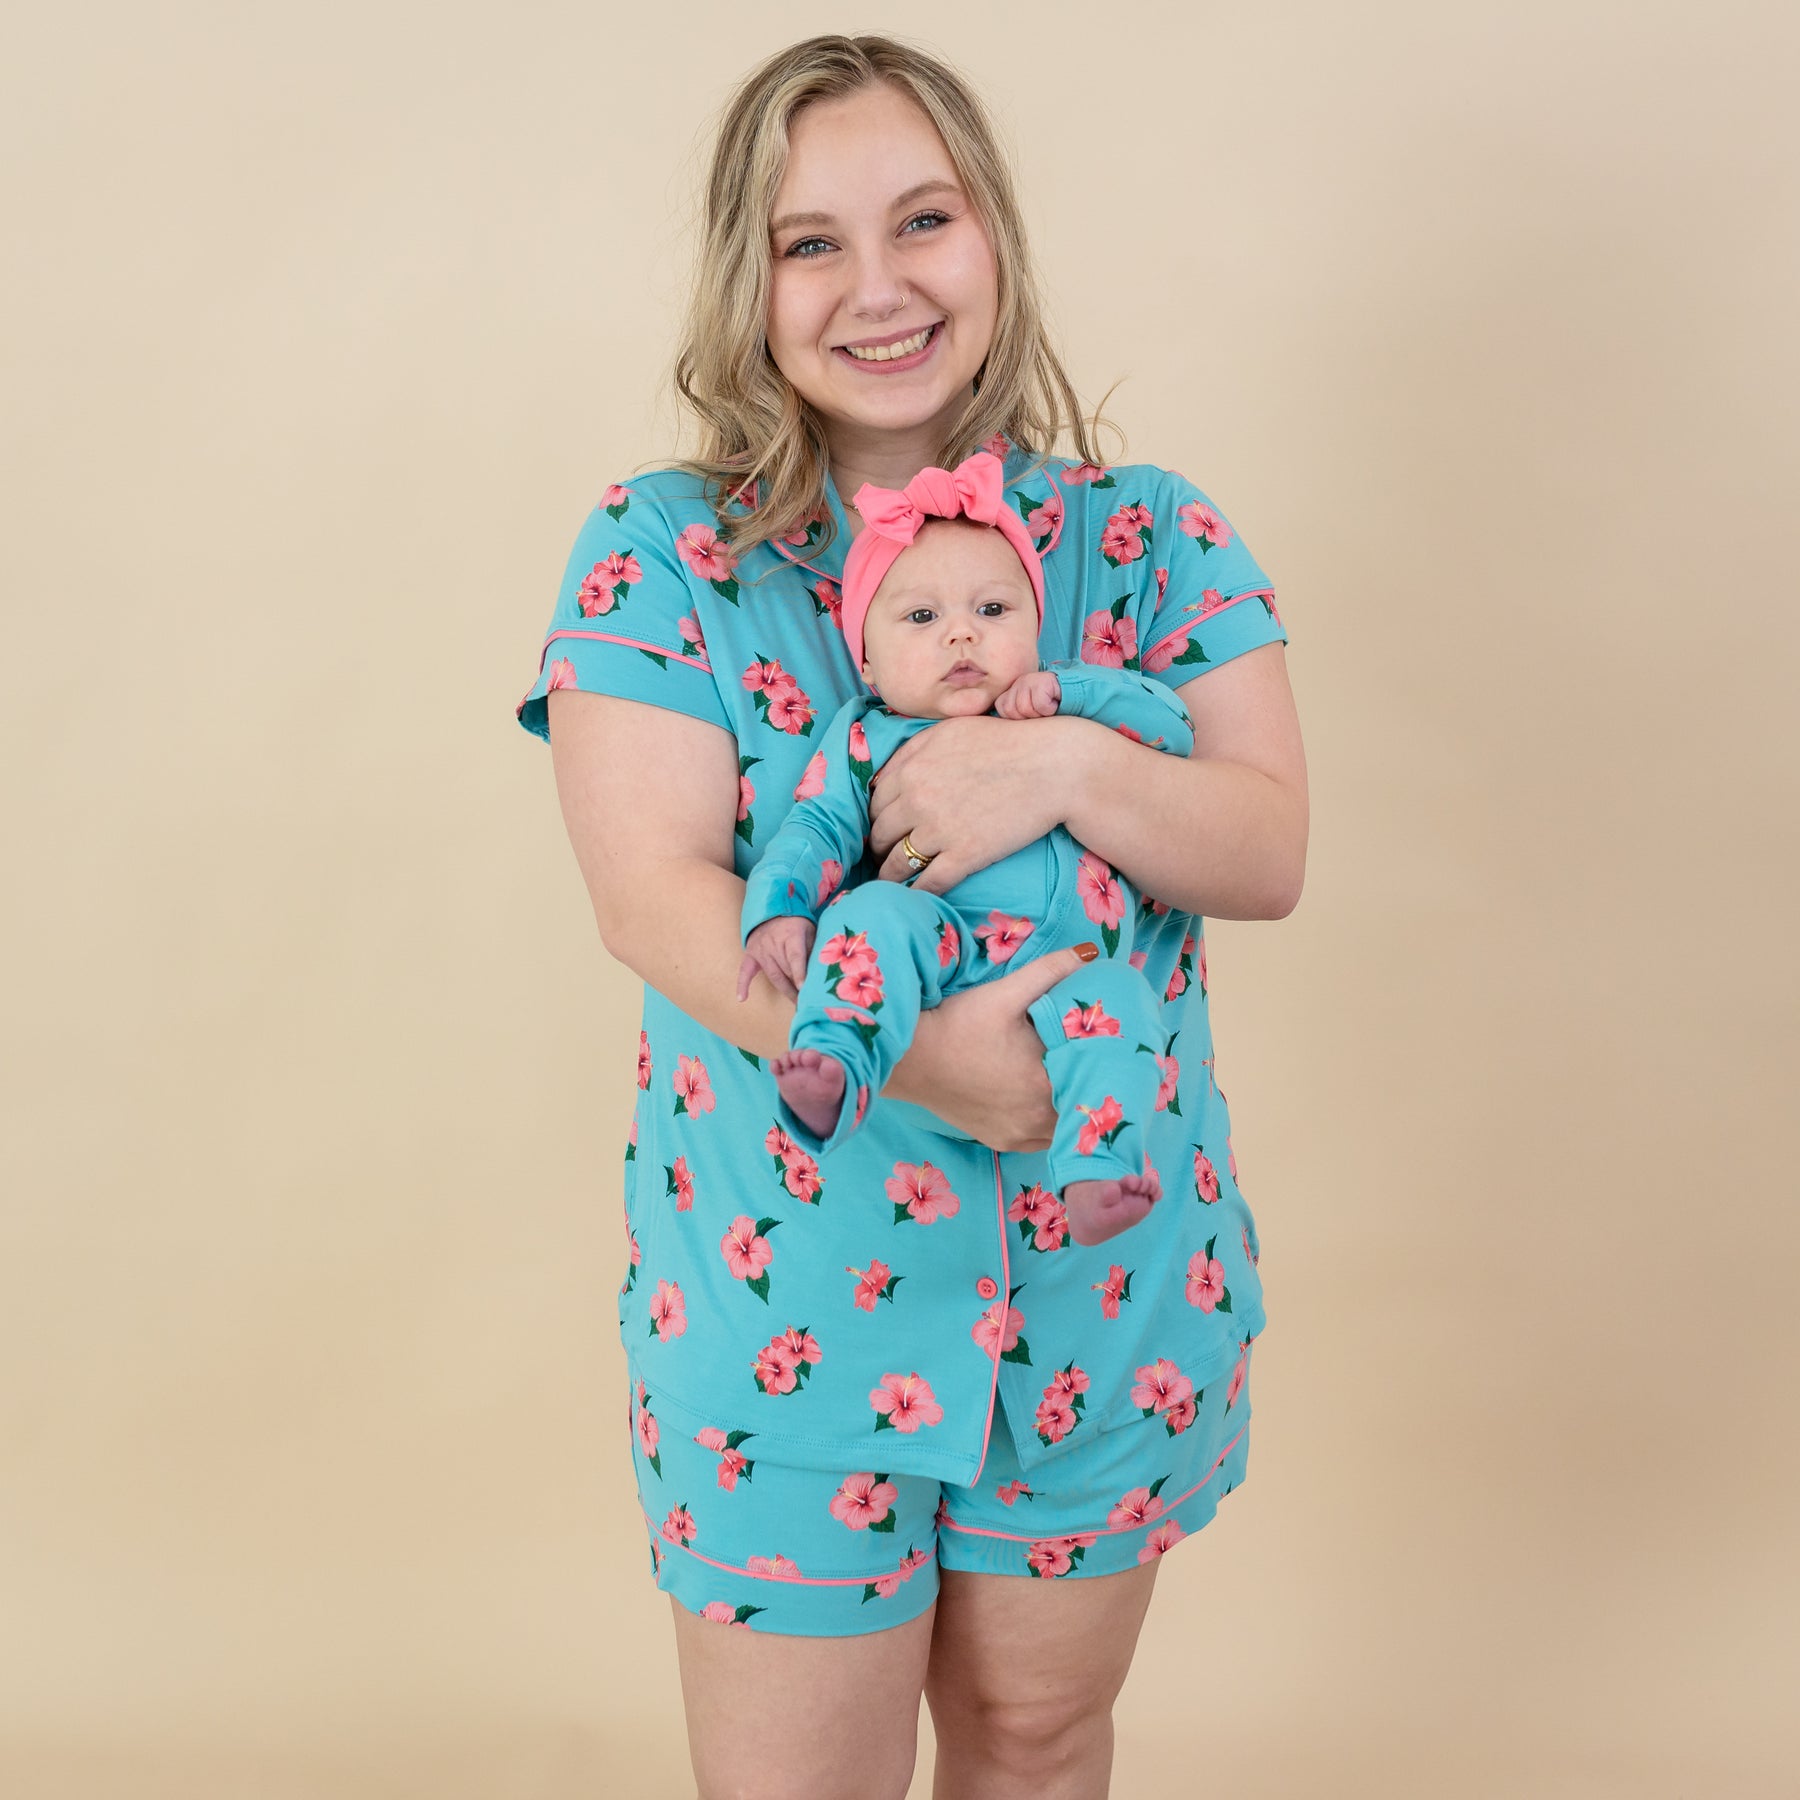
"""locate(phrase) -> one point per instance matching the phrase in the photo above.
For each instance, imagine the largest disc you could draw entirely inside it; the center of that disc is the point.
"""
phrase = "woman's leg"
(773, 1717)
(1022, 1680)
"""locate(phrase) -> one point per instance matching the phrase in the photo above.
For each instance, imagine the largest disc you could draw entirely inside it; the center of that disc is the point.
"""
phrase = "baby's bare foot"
(813, 1085)
(1099, 1210)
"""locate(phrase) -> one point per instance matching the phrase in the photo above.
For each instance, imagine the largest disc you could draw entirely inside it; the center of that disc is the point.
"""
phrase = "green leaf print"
(1019, 1353)
(1110, 937)
(759, 1286)
(656, 656)
(728, 588)
(755, 1062)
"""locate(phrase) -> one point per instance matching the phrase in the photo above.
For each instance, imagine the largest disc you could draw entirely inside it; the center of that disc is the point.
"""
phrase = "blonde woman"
(894, 1432)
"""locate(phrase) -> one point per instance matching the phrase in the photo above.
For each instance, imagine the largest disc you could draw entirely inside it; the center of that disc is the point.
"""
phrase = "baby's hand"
(779, 947)
(1033, 696)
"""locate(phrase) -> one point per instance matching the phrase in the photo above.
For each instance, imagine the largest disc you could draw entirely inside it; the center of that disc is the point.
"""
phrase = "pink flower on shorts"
(1180, 1416)
(1205, 1281)
(774, 1568)
(649, 1433)
(1162, 1540)
(885, 1585)
(1055, 1416)
(1160, 1385)
(1135, 1508)
(904, 1402)
(679, 1526)
(922, 1190)
(1050, 1557)
(722, 1612)
(1238, 1377)
(1002, 935)
(693, 1087)
(562, 675)
(863, 1500)
(1009, 1491)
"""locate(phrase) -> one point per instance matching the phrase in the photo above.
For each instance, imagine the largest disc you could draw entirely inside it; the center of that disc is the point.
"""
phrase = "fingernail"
(1087, 952)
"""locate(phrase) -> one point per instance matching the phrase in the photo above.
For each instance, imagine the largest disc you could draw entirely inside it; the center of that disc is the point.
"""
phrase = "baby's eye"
(999, 607)
(920, 615)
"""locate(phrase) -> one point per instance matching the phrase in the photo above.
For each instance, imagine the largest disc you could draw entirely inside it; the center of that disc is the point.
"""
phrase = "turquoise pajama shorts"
(742, 1540)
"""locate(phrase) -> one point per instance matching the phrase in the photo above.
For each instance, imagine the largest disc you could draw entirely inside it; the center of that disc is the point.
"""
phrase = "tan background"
(325, 327)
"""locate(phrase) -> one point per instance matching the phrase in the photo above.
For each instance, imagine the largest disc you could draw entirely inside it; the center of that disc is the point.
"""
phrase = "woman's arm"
(1221, 833)
(649, 796)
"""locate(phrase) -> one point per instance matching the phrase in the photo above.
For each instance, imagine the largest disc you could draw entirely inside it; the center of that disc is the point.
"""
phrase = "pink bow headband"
(974, 489)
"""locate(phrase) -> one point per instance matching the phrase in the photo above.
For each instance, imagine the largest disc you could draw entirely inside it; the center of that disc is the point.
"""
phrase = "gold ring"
(914, 860)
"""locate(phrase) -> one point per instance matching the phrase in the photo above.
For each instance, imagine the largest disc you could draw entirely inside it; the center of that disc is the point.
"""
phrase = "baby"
(943, 598)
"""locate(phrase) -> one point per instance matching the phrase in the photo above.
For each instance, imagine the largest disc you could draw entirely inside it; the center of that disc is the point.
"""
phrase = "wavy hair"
(752, 424)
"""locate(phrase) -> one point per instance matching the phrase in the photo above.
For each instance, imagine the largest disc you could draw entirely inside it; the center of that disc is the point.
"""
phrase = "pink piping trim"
(987, 1431)
(612, 637)
(1231, 600)
(1105, 1531)
(791, 1580)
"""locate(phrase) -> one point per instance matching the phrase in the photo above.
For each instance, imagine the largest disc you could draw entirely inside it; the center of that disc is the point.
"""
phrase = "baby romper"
(893, 948)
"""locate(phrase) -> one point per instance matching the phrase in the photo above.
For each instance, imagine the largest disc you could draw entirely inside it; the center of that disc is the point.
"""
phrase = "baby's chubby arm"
(817, 844)
(1123, 701)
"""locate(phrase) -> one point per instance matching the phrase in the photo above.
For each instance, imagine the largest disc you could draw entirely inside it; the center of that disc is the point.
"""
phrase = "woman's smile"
(890, 357)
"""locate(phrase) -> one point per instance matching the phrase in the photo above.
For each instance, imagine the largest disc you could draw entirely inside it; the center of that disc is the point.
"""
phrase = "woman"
(894, 1432)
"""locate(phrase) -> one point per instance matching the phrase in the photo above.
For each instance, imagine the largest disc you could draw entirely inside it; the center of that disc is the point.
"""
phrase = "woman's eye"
(798, 249)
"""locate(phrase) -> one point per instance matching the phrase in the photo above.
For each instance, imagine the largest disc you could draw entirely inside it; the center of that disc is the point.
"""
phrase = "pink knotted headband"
(974, 489)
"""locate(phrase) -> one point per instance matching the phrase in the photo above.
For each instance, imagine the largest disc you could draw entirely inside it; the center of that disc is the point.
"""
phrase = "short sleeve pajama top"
(884, 1295)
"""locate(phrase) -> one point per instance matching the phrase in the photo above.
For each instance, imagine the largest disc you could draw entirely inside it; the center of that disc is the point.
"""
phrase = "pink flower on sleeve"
(1199, 520)
(706, 553)
(813, 781)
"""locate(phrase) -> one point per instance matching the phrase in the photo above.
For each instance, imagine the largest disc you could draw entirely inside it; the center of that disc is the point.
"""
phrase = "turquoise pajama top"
(878, 1300)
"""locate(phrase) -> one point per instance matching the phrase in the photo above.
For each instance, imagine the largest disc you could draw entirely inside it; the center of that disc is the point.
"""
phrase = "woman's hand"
(970, 791)
(779, 947)
(977, 1061)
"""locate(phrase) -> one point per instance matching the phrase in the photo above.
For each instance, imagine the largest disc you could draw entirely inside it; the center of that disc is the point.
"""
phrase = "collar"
(1036, 493)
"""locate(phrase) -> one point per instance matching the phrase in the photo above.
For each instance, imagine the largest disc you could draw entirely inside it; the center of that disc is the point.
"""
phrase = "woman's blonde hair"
(752, 423)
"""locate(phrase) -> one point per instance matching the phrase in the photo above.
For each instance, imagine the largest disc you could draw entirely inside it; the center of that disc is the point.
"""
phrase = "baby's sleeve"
(1207, 598)
(626, 621)
(1126, 701)
(823, 836)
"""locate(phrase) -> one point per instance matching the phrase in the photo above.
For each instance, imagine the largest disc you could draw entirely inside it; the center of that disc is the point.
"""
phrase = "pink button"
(987, 1287)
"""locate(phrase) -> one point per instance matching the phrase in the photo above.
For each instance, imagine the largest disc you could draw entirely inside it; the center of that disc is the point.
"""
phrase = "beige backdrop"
(325, 327)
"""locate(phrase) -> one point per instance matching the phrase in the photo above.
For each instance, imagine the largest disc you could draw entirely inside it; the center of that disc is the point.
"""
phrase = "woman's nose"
(876, 290)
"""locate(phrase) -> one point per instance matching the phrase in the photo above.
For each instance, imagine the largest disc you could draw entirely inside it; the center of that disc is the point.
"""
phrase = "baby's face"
(953, 624)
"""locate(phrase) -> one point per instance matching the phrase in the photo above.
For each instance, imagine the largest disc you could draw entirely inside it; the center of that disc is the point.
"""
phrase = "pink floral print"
(1002, 935)
(693, 1088)
(921, 1192)
(865, 1503)
(904, 1403)
(1115, 1288)
(668, 1312)
(1042, 1219)
(745, 1247)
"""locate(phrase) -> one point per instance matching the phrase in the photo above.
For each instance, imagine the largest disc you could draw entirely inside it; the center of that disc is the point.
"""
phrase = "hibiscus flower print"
(1206, 1280)
(679, 1527)
(1160, 1386)
(1115, 1288)
(876, 1282)
(1078, 473)
(997, 1332)
(668, 1312)
(865, 1503)
(1202, 523)
(785, 1361)
(1110, 638)
(1138, 1507)
(722, 1612)
(1100, 1125)
(1206, 1178)
(745, 1247)
(1086, 1019)
(710, 558)
(1102, 898)
(616, 501)
(1126, 535)
(1002, 935)
(773, 1568)
(1170, 1069)
(1162, 1540)
(1042, 1219)
(604, 585)
(884, 1587)
(813, 781)
(732, 1461)
(904, 1403)
(649, 1435)
(949, 945)
(562, 674)
(1009, 1491)
(1050, 1557)
(921, 1192)
(1063, 1405)
(643, 1059)
(681, 1184)
(693, 1087)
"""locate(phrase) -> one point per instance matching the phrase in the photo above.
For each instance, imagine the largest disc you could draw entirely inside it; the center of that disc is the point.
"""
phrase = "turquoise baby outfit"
(890, 948)
(871, 1306)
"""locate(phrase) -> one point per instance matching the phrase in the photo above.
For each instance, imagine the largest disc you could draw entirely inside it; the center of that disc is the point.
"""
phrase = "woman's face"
(892, 245)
